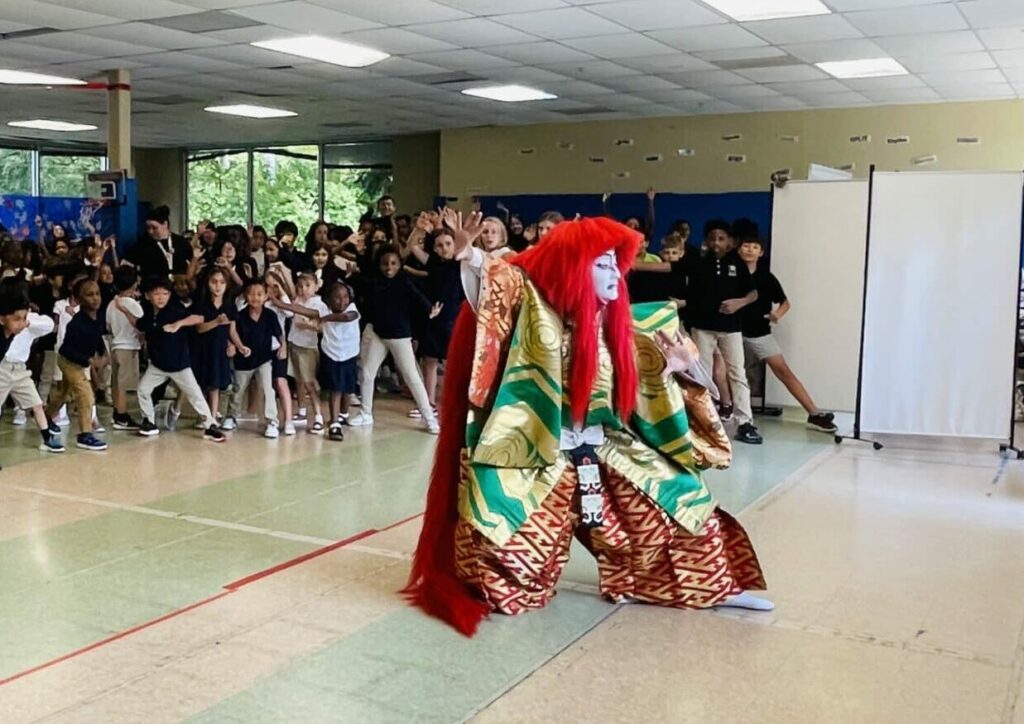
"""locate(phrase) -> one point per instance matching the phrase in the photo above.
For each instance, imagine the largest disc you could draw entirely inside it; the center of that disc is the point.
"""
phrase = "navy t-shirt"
(257, 335)
(392, 303)
(769, 293)
(167, 352)
(83, 339)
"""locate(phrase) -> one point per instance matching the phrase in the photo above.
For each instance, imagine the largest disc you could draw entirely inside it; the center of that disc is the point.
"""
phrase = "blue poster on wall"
(18, 215)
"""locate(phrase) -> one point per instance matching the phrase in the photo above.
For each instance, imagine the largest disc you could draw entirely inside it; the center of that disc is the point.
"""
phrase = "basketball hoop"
(89, 209)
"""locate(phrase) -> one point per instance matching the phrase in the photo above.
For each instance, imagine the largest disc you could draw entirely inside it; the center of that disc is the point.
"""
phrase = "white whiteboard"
(819, 230)
(942, 304)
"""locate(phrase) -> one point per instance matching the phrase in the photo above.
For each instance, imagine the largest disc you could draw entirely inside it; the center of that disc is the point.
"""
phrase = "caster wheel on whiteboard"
(838, 439)
(877, 446)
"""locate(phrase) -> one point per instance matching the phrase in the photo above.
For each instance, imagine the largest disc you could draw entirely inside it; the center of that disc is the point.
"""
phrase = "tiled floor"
(174, 580)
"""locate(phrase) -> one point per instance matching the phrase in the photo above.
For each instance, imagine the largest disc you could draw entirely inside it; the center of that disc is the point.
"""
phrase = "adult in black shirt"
(162, 253)
(759, 344)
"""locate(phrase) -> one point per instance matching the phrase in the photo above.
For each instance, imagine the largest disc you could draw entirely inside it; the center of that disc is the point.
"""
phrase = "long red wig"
(561, 268)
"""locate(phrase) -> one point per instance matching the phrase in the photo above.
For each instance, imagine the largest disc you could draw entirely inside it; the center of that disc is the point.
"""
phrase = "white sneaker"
(361, 420)
(20, 418)
(229, 424)
(173, 413)
(432, 426)
(289, 428)
(62, 416)
(271, 433)
(300, 414)
(97, 426)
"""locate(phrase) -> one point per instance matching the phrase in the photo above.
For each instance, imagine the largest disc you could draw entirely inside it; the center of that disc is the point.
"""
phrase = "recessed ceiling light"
(747, 10)
(43, 125)
(250, 111)
(326, 50)
(21, 77)
(864, 68)
(509, 93)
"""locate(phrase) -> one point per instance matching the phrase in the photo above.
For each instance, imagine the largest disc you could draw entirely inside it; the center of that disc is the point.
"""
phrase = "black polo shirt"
(711, 282)
(167, 352)
(83, 338)
(256, 334)
(769, 293)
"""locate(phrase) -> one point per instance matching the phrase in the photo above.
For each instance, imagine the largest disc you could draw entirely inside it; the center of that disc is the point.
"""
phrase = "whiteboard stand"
(1012, 445)
(856, 436)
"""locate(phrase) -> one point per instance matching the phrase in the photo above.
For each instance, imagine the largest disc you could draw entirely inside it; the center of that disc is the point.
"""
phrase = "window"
(15, 171)
(64, 175)
(218, 187)
(355, 176)
(286, 186)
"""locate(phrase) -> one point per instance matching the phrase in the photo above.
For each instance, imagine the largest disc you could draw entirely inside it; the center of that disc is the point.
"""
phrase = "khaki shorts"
(757, 349)
(125, 364)
(304, 361)
(16, 382)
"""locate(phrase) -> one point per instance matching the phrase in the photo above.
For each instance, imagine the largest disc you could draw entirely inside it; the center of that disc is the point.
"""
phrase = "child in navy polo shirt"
(165, 326)
(257, 328)
(13, 317)
(83, 341)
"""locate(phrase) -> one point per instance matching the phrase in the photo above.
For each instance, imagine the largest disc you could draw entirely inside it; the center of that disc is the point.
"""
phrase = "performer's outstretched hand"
(678, 356)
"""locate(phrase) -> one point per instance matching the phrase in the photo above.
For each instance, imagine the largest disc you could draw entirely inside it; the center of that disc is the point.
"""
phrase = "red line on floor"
(228, 589)
(235, 585)
(112, 639)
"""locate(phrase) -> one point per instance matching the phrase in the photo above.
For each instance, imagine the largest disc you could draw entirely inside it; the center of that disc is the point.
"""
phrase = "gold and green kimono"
(663, 539)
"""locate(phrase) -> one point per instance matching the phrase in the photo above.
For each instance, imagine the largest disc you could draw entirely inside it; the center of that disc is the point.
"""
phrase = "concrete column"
(119, 120)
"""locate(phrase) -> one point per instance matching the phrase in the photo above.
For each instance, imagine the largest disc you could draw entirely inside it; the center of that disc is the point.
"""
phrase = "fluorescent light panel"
(509, 93)
(21, 77)
(864, 68)
(325, 50)
(250, 111)
(44, 125)
(748, 10)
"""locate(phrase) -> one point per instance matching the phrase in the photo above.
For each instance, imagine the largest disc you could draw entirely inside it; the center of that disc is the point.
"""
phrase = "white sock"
(748, 601)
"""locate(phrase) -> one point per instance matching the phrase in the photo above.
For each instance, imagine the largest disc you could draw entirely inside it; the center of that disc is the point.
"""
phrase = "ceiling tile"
(903, 95)
(898, 21)
(248, 34)
(782, 74)
(626, 45)
(577, 88)
(304, 17)
(397, 41)
(189, 61)
(79, 43)
(402, 67)
(850, 49)
(965, 78)
(154, 36)
(473, 33)
(796, 30)
(37, 14)
(955, 62)
(1002, 38)
(247, 55)
(739, 92)
(591, 70)
(837, 100)
(707, 78)
(674, 63)
(538, 53)
(1009, 58)
(24, 54)
(635, 84)
(496, 7)
(892, 82)
(989, 91)
(560, 24)
(713, 37)
(812, 87)
(958, 41)
(770, 103)
(528, 76)
(741, 54)
(845, 6)
(678, 95)
(405, 12)
(462, 60)
(657, 14)
(993, 13)
(131, 9)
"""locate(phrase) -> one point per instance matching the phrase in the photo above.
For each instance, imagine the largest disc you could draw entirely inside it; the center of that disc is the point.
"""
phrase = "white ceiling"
(605, 60)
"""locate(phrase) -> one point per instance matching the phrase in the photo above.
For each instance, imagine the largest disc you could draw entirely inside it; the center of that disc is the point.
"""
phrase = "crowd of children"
(311, 322)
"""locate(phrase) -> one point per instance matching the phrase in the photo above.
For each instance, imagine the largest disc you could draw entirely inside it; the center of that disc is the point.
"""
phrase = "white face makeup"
(606, 278)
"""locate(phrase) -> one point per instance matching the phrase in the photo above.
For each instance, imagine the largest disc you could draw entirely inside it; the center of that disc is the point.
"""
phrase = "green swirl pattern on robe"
(513, 461)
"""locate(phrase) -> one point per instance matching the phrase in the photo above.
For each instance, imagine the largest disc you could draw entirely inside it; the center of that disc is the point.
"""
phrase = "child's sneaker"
(53, 445)
(361, 420)
(124, 422)
(213, 433)
(289, 428)
(173, 413)
(62, 418)
(147, 429)
(336, 432)
(229, 424)
(88, 441)
(20, 418)
(271, 433)
(432, 426)
(53, 428)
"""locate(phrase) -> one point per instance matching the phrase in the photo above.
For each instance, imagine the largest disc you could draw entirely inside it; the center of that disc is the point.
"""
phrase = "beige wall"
(161, 180)
(416, 161)
(489, 160)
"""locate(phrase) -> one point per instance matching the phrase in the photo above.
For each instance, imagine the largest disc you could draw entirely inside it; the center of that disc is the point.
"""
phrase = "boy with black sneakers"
(758, 341)
(165, 327)
(125, 345)
(16, 377)
(83, 340)
(720, 287)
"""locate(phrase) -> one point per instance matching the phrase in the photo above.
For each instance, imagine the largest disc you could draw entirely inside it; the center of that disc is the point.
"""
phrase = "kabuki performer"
(567, 413)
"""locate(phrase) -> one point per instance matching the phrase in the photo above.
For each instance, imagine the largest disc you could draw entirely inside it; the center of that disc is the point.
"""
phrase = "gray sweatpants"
(185, 382)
